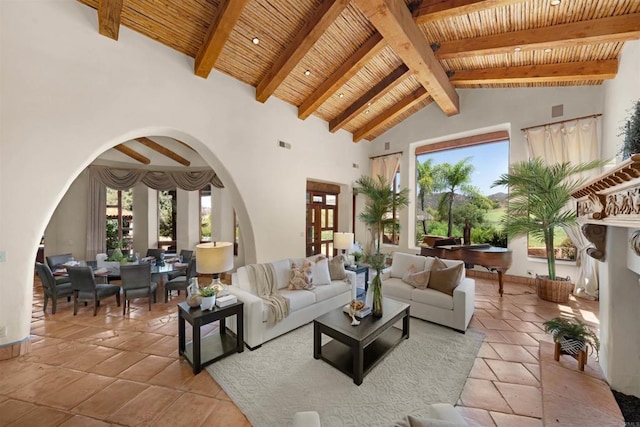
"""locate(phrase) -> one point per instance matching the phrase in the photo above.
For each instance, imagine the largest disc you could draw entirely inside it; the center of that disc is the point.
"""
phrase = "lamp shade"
(214, 258)
(342, 240)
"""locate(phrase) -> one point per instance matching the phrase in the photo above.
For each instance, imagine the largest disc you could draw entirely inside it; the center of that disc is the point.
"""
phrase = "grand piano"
(490, 257)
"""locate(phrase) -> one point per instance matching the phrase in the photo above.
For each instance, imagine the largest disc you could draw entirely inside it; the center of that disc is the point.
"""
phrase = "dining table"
(157, 270)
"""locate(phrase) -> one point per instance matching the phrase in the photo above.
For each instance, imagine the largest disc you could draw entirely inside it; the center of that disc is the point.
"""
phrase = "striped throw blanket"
(262, 278)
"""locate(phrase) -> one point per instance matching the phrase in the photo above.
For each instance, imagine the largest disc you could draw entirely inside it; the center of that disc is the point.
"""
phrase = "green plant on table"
(208, 291)
(571, 328)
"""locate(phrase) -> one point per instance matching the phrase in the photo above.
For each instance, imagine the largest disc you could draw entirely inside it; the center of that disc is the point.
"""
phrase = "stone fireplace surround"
(608, 208)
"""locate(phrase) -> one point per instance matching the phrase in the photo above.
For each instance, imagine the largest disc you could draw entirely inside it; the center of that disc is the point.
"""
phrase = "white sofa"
(305, 305)
(429, 304)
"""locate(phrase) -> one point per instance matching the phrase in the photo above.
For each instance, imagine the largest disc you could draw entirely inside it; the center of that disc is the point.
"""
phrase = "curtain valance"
(123, 179)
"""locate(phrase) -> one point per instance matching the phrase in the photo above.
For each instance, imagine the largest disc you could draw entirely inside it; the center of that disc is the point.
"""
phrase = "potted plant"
(573, 336)
(539, 195)
(208, 294)
(631, 133)
(381, 199)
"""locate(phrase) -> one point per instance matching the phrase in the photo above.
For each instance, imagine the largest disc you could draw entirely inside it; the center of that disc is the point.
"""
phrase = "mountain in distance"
(500, 198)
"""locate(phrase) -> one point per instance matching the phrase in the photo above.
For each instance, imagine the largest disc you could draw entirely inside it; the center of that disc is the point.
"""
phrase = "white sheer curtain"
(576, 141)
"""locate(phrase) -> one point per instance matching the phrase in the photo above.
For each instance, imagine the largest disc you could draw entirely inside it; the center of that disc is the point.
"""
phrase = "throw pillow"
(301, 278)
(445, 279)
(417, 279)
(320, 270)
(336, 268)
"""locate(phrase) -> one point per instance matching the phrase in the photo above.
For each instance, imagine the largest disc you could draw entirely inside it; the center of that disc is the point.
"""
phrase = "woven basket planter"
(554, 290)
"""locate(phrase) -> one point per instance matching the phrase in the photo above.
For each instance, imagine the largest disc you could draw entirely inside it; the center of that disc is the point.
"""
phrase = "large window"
(167, 209)
(119, 219)
(454, 189)
(391, 235)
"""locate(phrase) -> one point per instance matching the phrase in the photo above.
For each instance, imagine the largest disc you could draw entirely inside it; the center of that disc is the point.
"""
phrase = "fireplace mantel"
(611, 199)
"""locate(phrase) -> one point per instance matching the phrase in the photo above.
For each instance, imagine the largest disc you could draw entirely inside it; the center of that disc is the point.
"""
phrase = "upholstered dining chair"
(186, 257)
(136, 283)
(56, 261)
(52, 289)
(84, 287)
(156, 253)
(180, 283)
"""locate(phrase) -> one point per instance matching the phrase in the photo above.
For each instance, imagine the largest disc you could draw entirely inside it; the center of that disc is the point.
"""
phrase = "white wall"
(68, 94)
(486, 110)
(619, 286)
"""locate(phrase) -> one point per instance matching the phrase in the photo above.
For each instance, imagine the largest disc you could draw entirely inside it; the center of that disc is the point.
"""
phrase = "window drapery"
(574, 141)
(385, 166)
(123, 179)
(101, 177)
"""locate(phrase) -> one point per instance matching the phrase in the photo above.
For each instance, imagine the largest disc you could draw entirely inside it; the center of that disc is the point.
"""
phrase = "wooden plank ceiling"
(366, 65)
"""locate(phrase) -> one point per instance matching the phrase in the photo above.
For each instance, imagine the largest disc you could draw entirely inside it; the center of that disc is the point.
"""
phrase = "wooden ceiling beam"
(109, 12)
(311, 32)
(348, 69)
(396, 77)
(394, 21)
(567, 72)
(605, 30)
(132, 153)
(392, 113)
(163, 150)
(431, 10)
(229, 12)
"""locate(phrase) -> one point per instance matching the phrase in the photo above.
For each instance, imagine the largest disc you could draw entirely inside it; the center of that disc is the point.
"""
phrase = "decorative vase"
(208, 303)
(194, 299)
(376, 286)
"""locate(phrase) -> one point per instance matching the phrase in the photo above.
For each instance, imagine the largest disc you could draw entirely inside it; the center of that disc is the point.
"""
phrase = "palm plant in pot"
(381, 199)
(539, 195)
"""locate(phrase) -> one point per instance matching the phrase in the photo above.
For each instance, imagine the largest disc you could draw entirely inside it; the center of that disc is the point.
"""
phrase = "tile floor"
(114, 370)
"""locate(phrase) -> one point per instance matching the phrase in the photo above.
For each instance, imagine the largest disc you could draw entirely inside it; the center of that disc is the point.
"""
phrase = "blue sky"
(489, 161)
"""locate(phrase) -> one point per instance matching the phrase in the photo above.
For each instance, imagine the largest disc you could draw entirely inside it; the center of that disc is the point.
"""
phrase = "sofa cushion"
(282, 269)
(415, 278)
(432, 297)
(320, 270)
(298, 299)
(396, 288)
(401, 263)
(301, 277)
(336, 268)
(445, 279)
(324, 292)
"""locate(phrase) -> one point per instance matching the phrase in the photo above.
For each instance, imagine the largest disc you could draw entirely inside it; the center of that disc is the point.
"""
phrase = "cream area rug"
(272, 383)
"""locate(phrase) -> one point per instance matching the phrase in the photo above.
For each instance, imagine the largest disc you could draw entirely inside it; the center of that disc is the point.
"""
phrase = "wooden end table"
(355, 350)
(204, 351)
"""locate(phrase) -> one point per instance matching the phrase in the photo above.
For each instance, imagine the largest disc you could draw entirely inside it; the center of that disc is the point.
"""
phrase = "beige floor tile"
(145, 407)
(481, 370)
(513, 353)
(117, 363)
(41, 417)
(52, 381)
(518, 338)
(226, 414)
(502, 314)
(496, 324)
(11, 410)
(174, 375)
(111, 399)
(487, 351)
(146, 368)
(189, 409)
(512, 372)
(476, 417)
(482, 394)
(522, 326)
(82, 421)
(523, 399)
(511, 420)
(534, 369)
(90, 358)
(76, 392)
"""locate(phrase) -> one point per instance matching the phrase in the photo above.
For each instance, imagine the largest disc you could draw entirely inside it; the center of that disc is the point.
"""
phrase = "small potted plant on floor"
(573, 337)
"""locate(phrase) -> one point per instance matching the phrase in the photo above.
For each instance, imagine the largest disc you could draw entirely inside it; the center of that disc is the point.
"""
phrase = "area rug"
(272, 383)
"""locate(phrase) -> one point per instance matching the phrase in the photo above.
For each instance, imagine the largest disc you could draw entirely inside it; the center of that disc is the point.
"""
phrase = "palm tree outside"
(453, 178)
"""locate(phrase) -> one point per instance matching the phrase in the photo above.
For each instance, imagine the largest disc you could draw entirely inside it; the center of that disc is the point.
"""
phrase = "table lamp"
(215, 258)
(343, 241)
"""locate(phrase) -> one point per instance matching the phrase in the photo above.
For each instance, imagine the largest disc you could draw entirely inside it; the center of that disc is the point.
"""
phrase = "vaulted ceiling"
(366, 65)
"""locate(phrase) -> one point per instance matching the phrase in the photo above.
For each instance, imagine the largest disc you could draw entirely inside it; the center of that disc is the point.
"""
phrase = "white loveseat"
(304, 305)
(429, 304)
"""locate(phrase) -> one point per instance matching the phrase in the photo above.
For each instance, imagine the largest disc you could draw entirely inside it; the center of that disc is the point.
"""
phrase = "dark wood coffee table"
(355, 350)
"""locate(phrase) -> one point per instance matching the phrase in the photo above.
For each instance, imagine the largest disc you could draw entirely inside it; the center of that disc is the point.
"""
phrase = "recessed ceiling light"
(366, 111)
(517, 49)
(341, 94)
(368, 104)
(307, 73)
(255, 40)
(548, 50)
(555, 2)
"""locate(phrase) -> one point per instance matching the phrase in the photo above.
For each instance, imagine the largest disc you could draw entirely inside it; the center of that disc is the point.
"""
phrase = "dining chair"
(156, 253)
(186, 257)
(57, 261)
(52, 289)
(136, 283)
(84, 287)
(180, 283)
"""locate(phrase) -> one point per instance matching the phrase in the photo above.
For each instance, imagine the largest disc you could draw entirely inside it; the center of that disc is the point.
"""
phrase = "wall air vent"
(557, 110)
(283, 144)
(356, 166)
(387, 145)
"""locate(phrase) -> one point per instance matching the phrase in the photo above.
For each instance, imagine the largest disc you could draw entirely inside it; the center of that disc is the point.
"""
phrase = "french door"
(322, 218)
